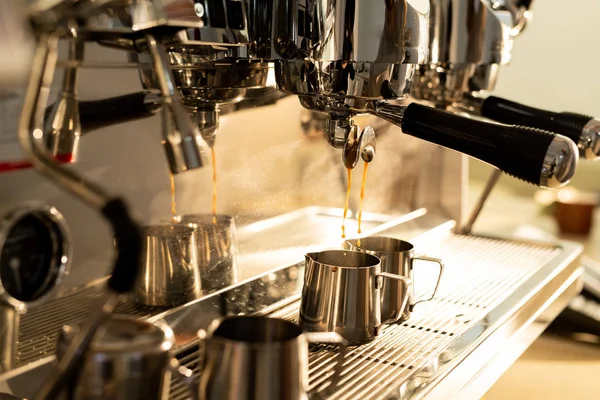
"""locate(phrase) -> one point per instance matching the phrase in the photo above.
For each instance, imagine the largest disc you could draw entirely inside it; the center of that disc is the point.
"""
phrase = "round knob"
(560, 162)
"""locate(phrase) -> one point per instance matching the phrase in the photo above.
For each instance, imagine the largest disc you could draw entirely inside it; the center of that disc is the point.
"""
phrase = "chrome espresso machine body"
(223, 88)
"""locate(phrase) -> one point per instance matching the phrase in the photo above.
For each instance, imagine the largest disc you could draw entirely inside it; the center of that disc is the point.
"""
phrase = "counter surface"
(553, 367)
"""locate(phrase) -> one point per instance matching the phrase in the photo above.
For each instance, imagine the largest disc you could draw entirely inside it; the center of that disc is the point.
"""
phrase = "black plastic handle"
(115, 110)
(524, 3)
(518, 151)
(509, 112)
(128, 243)
(98, 114)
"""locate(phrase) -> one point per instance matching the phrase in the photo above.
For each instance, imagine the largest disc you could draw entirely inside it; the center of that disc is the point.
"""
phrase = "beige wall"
(555, 66)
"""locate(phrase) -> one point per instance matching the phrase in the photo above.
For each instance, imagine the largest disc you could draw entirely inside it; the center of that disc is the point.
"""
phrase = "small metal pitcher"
(216, 249)
(128, 359)
(260, 358)
(397, 257)
(170, 275)
(341, 293)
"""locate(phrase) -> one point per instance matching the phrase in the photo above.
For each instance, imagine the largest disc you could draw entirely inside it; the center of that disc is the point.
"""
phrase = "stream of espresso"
(214, 177)
(173, 205)
(362, 197)
(347, 202)
(214, 196)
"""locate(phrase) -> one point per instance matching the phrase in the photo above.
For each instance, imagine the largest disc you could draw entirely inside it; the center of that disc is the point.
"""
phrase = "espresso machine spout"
(183, 143)
(63, 125)
(207, 121)
(342, 133)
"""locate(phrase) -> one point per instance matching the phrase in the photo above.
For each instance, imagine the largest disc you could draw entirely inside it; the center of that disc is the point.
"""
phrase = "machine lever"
(533, 155)
(584, 130)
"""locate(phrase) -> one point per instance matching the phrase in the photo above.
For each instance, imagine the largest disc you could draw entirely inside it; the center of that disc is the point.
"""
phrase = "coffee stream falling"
(214, 176)
(173, 206)
(347, 203)
(362, 197)
(214, 196)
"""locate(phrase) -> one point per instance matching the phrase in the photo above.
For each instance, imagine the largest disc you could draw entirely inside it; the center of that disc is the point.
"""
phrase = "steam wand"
(126, 230)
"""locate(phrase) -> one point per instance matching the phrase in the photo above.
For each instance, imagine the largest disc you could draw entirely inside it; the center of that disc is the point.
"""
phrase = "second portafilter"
(365, 62)
(461, 80)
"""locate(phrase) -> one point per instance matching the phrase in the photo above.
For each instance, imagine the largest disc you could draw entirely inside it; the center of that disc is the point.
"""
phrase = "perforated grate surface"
(480, 273)
(40, 327)
(262, 246)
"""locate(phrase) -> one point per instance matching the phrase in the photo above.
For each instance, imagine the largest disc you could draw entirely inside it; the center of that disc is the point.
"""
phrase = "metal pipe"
(31, 134)
(9, 321)
(32, 142)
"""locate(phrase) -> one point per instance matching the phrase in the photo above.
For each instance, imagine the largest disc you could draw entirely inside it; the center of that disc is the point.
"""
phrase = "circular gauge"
(34, 253)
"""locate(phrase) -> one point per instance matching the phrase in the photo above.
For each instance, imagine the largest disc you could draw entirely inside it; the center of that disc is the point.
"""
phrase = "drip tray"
(492, 293)
(268, 245)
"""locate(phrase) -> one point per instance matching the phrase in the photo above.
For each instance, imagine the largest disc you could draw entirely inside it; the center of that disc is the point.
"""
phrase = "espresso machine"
(116, 85)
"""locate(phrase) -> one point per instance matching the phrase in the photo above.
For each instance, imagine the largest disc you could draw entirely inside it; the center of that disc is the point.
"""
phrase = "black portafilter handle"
(535, 156)
(128, 243)
(584, 130)
(98, 114)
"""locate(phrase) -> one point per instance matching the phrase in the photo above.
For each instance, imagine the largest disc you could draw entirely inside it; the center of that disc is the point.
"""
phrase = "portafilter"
(460, 76)
(362, 58)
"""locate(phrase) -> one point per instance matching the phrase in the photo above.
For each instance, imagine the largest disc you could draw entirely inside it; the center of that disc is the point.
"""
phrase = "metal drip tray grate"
(480, 274)
(40, 327)
(262, 246)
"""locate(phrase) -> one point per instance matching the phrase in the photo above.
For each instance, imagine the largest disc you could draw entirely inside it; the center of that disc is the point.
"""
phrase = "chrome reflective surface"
(9, 336)
(61, 256)
(398, 258)
(121, 23)
(128, 359)
(170, 273)
(216, 249)
(337, 30)
(339, 130)
(397, 31)
(466, 32)
(347, 67)
(207, 120)
(441, 84)
(344, 87)
(468, 40)
(342, 293)
(589, 143)
(214, 82)
(205, 81)
(519, 9)
(559, 166)
(484, 77)
(260, 358)
(63, 127)
(210, 27)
